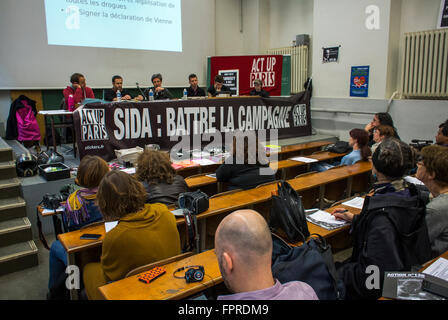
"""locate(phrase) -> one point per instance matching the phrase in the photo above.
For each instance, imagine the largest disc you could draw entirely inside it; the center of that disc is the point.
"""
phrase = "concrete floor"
(31, 283)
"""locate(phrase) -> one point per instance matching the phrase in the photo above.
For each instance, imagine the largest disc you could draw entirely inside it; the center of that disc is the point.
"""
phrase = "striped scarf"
(75, 207)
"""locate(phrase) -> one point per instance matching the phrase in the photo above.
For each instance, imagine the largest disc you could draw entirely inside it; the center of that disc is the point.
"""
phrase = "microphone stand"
(143, 95)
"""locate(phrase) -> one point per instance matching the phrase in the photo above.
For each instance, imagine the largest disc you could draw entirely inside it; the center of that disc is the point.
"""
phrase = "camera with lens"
(52, 201)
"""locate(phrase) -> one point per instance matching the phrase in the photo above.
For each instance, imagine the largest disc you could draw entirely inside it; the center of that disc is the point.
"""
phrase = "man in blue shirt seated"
(243, 246)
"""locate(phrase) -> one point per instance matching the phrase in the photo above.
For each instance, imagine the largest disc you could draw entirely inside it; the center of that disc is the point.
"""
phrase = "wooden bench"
(169, 288)
(220, 205)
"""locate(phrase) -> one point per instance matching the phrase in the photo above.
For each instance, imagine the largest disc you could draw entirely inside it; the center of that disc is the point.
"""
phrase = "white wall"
(342, 23)
(28, 62)
(289, 18)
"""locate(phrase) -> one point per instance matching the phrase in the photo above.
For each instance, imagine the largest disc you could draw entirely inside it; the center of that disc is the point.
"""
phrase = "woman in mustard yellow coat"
(144, 234)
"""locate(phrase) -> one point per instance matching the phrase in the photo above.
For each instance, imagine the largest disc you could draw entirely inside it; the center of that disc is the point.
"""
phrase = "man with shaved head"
(243, 245)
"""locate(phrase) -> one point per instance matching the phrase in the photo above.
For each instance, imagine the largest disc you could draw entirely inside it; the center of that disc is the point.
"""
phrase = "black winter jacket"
(391, 233)
(166, 193)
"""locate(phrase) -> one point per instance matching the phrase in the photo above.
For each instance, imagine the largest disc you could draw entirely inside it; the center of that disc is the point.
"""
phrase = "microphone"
(143, 95)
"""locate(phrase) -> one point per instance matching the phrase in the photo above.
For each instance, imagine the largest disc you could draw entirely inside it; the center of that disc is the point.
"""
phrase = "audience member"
(258, 90)
(145, 233)
(380, 133)
(194, 90)
(381, 118)
(433, 172)
(358, 141)
(442, 134)
(160, 93)
(243, 169)
(78, 89)
(218, 86)
(80, 210)
(390, 232)
(117, 85)
(243, 246)
(159, 178)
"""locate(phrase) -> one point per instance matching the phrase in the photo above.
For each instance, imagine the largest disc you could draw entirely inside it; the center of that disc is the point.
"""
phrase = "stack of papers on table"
(204, 162)
(438, 268)
(357, 203)
(304, 159)
(324, 219)
(184, 164)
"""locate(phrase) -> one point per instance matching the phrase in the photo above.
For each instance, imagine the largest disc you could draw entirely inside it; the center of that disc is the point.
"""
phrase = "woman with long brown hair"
(159, 178)
(80, 210)
(358, 140)
(145, 233)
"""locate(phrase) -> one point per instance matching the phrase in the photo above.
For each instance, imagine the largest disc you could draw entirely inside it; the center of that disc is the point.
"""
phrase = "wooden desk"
(167, 287)
(170, 288)
(283, 152)
(282, 165)
(63, 113)
(426, 265)
(226, 203)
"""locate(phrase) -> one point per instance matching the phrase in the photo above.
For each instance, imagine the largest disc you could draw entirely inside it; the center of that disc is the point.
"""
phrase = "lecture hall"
(224, 150)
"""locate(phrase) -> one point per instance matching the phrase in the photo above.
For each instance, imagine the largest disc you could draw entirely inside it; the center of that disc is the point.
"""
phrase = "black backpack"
(339, 147)
(287, 214)
(311, 263)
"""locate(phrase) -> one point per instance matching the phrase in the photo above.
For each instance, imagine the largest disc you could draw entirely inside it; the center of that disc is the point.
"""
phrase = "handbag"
(287, 214)
(312, 263)
(195, 202)
(192, 204)
(128, 155)
(339, 147)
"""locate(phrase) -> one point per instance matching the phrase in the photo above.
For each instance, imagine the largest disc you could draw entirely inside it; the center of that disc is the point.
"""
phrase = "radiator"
(299, 65)
(425, 65)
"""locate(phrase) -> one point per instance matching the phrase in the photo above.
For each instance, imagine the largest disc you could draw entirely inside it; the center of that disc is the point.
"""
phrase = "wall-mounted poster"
(443, 16)
(231, 80)
(330, 54)
(359, 82)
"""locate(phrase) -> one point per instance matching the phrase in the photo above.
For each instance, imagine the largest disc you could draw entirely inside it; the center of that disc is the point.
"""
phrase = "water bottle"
(118, 95)
(71, 103)
(151, 95)
(185, 95)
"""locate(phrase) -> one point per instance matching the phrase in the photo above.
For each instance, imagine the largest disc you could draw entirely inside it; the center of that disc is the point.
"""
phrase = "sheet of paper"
(211, 175)
(60, 209)
(304, 159)
(357, 203)
(178, 212)
(438, 269)
(129, 170)
(54, 112)
(326, 217)
(110, 225)
(413, 180)
(203, 162)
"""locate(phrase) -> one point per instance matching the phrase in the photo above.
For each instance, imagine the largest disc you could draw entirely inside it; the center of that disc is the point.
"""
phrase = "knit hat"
(393, 158)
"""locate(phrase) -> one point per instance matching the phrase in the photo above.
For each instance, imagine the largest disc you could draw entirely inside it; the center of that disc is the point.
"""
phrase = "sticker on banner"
(93, 125)
(299, 115)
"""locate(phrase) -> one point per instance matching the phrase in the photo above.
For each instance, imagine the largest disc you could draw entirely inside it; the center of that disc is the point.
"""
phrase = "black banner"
(103, 128)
